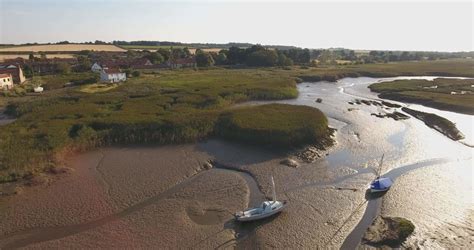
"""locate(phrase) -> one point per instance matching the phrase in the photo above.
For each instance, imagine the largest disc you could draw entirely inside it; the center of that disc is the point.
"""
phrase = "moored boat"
(266, 209)
(380, 184)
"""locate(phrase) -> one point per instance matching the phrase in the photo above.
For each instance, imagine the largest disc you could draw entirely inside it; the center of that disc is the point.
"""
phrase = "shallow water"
(158, 195)
(410, 148)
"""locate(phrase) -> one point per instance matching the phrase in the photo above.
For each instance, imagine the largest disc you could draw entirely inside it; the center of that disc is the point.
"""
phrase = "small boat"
(38, 89)
(380, 184)
(266, 209)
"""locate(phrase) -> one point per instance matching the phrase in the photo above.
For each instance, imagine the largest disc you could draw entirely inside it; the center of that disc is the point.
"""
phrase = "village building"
(96, 67)
(112, 75)
(139, 63)
(42, 65)
(6, 81)
(15, 71)
(182, 63)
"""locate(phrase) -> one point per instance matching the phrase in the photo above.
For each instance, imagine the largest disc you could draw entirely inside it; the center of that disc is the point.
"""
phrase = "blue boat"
(380, 184)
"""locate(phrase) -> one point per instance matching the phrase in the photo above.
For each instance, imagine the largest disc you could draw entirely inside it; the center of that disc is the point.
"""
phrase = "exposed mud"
(149, 197)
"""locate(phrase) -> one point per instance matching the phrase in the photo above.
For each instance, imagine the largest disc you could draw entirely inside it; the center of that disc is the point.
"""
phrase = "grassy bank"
(436, 94)
(453, 67)
(275, 125)
(171, 107)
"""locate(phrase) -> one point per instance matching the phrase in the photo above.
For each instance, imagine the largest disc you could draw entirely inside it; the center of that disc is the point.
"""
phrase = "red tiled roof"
(112, 71)
(5, 75)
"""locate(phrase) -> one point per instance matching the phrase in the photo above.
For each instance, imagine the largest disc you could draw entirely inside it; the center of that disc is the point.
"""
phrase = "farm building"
(182, 63)
(112, 75)
(6, 81)
(15, 71)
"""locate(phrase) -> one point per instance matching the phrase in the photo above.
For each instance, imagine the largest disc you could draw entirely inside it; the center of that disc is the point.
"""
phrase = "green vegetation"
(437, 122)
(437, 93)
(169, 106)
(454, 67)
(50, 82)
(172, 107)
(405, 228)
(275, 125)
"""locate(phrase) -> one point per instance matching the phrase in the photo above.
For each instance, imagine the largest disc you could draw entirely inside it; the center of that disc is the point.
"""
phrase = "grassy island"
(275, 125)
(448, 94)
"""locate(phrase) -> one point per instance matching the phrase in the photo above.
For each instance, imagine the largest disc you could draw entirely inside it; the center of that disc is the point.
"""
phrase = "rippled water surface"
(433, 174)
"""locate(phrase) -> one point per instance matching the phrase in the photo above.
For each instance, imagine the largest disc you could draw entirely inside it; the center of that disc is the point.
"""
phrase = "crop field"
(25, 56)
(63, 48)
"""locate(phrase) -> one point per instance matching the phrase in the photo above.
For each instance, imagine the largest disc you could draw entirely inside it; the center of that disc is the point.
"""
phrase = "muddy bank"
(388, 231)
(437, 122)
(148, 196)
(426, 102)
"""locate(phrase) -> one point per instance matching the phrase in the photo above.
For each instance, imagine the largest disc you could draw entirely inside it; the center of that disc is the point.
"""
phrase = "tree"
(31, 56)
(203, 59)
(63, 68)
(165, 53)
(236, 55)
(284, 60)
(262, 58)
(155, 57)
(43, 55)
(221, 59)
(136, 73)
(28, 71)
(84, 64)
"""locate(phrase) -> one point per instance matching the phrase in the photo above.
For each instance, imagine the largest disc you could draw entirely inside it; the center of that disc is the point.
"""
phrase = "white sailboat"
(380, 184)
(266, 209)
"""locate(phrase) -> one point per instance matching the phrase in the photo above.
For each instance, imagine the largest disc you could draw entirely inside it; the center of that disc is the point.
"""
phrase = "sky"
(355, 24)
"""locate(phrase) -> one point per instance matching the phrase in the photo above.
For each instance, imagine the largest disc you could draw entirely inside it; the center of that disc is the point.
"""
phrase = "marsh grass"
(174, 107)
(419, 91)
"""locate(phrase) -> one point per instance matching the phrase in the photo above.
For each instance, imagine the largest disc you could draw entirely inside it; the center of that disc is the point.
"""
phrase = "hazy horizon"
(359, 25)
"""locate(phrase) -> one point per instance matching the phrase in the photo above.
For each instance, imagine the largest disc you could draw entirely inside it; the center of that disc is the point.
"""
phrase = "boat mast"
(273, 189)
(380, 166)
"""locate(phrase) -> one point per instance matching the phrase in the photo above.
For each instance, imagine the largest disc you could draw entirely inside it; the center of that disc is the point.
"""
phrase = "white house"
(96, 67)
(112, 75)
(6, 81)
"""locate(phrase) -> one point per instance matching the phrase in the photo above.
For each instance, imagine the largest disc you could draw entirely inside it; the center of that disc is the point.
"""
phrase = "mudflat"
(157, 196)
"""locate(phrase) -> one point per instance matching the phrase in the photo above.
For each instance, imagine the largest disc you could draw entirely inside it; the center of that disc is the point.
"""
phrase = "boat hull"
(260, 216)
(378, 190)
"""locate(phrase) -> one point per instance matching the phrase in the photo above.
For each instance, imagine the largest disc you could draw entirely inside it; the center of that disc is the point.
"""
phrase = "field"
(154, 48)
(26, 56)
(151, 47)
(169, 106)
(62, 48)
(423, 92)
